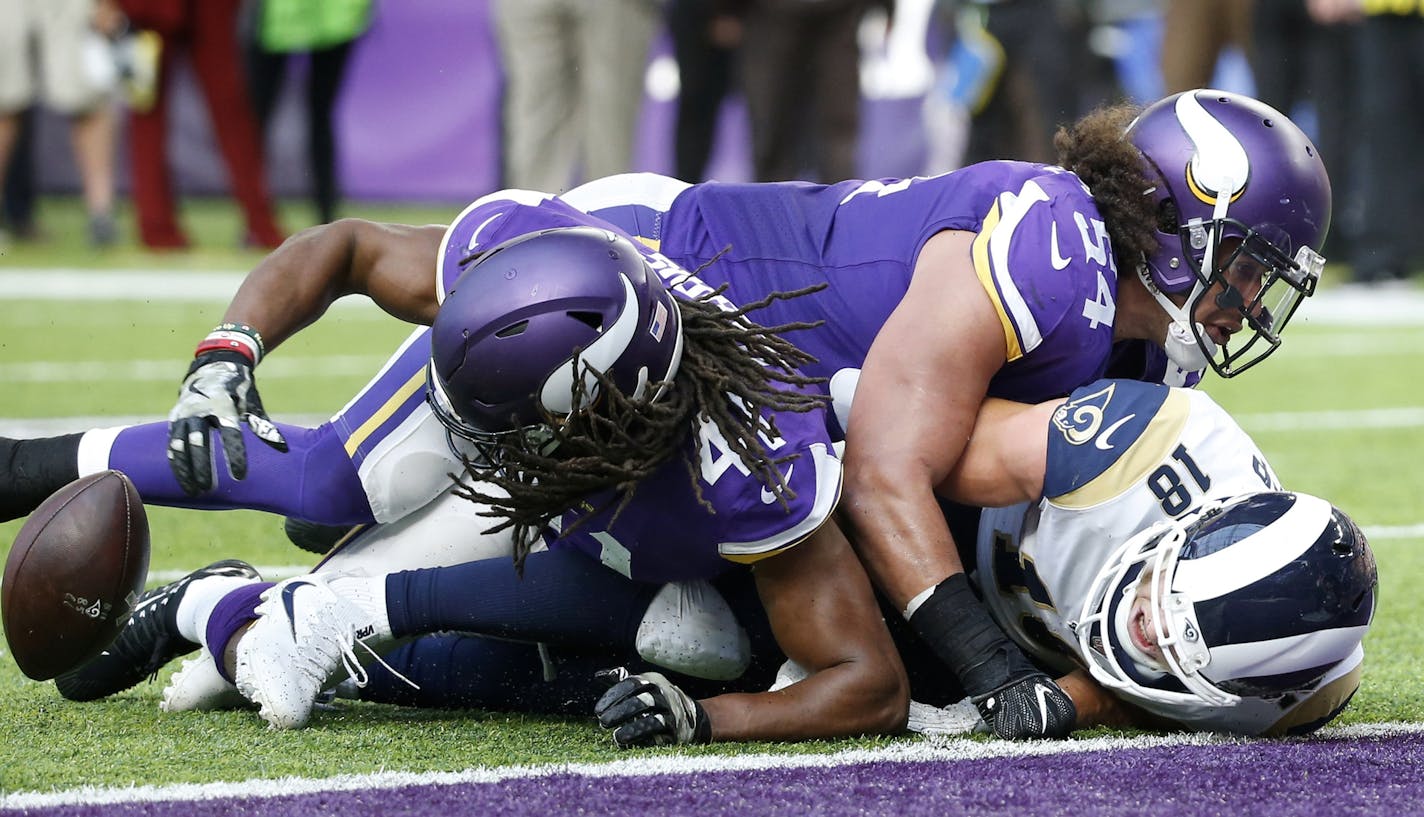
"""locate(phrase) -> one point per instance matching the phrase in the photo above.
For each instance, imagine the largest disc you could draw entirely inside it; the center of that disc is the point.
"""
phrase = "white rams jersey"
(1122, 456)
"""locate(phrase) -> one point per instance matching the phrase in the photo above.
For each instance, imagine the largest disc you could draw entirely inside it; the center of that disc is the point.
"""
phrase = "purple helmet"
(504, 341)
(1228, 166)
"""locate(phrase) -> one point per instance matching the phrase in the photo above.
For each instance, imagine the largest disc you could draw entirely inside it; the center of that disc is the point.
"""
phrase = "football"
(74, 572)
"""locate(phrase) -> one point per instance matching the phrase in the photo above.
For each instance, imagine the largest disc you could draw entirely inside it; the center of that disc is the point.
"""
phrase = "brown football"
(73, 574)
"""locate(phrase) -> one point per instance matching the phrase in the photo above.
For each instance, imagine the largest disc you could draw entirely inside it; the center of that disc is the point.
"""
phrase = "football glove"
(218, 392)
(1033, 706)
(649, 710)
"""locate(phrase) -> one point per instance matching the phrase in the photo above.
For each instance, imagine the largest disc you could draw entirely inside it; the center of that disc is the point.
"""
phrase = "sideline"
(927, 749)
(1344, 305)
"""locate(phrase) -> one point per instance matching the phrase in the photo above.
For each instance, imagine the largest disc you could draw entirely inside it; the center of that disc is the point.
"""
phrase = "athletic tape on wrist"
(234, 337)
(959, 630)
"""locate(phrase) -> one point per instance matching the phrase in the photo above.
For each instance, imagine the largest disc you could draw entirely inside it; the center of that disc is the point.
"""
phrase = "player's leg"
(474, 672)
(382, 456)
(308, 631)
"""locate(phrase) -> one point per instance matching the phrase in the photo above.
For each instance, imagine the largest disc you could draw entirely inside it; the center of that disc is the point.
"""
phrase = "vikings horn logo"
(1219, 166)
(1079, 420)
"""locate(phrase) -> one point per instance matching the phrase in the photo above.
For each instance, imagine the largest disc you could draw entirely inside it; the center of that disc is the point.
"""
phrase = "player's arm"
(393, 264)
(293, 286)
(1099, 707)
(825, 618)
(915, 405)
(919, 395)
(1005, 458)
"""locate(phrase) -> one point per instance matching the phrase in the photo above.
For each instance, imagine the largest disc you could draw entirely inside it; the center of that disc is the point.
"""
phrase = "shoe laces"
(346, 642)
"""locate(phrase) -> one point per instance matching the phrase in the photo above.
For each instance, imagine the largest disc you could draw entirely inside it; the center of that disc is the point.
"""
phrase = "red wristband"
(233, 337)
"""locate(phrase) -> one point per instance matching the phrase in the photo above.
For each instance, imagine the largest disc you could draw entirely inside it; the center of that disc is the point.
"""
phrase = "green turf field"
(80, 358)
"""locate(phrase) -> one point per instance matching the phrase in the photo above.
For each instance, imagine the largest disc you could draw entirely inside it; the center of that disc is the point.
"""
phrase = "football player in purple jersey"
(1136, 542)
(669, 437)
(1163, 235)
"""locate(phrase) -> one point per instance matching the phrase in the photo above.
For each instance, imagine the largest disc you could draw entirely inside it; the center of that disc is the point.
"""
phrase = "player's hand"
(649, 710)
(1032, 706)
(219, 392)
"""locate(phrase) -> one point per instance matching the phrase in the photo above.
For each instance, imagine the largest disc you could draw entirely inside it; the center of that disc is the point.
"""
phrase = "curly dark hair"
(1095, 149)
(731, 369)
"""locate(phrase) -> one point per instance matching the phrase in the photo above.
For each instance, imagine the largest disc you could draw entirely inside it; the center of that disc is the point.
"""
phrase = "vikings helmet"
(504, 343)
(1258, 597)
(1221, 166)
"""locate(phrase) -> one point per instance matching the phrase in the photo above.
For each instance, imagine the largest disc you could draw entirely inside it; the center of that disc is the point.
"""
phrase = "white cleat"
(198, 687)
(303, 641)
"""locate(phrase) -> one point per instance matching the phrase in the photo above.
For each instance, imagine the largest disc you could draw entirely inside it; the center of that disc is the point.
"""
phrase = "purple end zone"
(1322, 778)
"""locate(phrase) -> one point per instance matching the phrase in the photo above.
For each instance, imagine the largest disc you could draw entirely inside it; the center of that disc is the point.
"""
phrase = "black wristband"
(957, 628)
(702, 730)
(218, 356)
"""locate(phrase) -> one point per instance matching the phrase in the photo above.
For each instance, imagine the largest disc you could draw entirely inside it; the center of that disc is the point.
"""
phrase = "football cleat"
(198, 687)
(148, 640)
(304, 638)
(315, 537)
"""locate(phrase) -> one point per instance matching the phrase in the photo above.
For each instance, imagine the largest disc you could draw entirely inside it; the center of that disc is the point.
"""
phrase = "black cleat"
(148, 640)
(315, 537)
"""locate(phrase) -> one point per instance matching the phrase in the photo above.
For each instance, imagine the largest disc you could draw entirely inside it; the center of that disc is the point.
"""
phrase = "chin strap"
(1187, 347)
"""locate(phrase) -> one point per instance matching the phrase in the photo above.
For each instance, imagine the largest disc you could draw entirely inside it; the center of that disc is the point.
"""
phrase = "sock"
(31, 470)
(465, 671)
(230, 614)
(369, 596)
(197, 603)
(565, 598)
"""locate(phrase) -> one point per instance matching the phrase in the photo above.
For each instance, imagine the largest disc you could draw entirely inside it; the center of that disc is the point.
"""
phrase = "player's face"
(1141, 621)
(1246, 275)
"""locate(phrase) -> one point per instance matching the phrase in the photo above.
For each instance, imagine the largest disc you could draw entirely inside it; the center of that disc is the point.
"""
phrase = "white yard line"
(1259, 423)
(1339, 306)
(928, 749)
(115, 371)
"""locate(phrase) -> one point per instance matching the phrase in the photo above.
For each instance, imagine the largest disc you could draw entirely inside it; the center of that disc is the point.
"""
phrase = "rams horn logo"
(1080, 419)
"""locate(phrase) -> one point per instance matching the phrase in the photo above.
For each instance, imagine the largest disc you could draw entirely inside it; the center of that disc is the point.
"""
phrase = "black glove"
(1033, 706)
(649, 710)
(218, 392)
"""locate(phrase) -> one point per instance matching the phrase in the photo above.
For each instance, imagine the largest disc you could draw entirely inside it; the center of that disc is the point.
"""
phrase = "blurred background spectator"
(800, 66)
(705, 35)
(54, 52)
(1389, 91)
(573, 87)
(205, 31)
(440, 94)
(1036, 89)
(19, 174)
(274, 32)
(1196, 34)
(1303, 65)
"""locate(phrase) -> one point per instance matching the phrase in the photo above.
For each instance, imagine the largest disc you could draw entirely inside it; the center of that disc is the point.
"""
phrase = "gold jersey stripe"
(980, 254)
(414, 384)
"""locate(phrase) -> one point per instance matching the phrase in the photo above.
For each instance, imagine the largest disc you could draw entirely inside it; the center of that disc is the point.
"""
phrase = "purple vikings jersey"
(1042, 256)
(667, 532)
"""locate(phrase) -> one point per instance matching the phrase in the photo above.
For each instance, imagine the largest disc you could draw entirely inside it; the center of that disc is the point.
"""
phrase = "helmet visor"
(1256, 278)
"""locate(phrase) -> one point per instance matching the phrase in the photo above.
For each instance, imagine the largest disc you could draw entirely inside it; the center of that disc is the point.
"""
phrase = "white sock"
(198, 602)
(94, 448)
(367, 594)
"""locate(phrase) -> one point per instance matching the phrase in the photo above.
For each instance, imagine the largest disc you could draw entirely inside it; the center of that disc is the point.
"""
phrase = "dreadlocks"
(731, 369)
(1095, 149)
